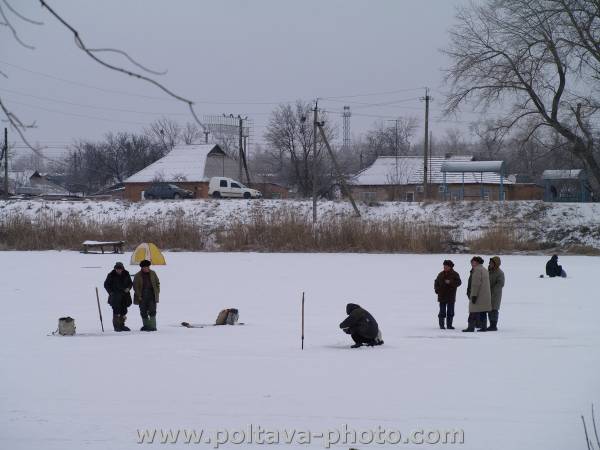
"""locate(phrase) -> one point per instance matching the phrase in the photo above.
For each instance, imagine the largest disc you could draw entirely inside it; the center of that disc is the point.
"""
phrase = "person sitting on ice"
(553, 269)
(361, 326)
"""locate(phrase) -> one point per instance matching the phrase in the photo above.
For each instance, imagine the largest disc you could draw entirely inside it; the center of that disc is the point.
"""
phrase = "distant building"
(34, 183)
(570, 185)
(187, 166)
(401, 179)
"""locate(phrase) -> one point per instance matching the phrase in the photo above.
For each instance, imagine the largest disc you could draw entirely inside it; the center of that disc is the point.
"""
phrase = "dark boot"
(493, 325)
(356, 346)
(146, 324)
(483, 322)
(449, 323)
(152, 324)
(123, 327)
(441, 320)
(471, 325)
(116, 323)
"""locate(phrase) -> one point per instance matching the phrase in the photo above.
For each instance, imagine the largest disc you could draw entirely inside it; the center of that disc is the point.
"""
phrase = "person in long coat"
(479, 294)
(118, 284)
(146, 287)
(497, 280)
(361, 326)
(445, 286)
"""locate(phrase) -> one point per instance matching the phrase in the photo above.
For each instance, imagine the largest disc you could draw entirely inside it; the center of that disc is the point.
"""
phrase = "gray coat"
(496, 285)
(480, 288)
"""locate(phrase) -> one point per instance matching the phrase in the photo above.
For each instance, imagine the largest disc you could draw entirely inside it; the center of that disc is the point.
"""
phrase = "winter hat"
(351, 307)
(496, 261)
(145, 263)
(448, 263)
(119, 265)
(478, 259)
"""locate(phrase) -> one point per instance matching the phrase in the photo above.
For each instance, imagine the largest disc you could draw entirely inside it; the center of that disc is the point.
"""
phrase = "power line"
(372, 93)
(79, 115)
(54, 100)
(129, 94)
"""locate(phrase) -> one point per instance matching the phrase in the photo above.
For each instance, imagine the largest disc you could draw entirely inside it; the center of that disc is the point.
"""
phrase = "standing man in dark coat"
(445, 286)
(552, 267)
(118, 284)
(146, 286)
(361, 326)
(497, 280)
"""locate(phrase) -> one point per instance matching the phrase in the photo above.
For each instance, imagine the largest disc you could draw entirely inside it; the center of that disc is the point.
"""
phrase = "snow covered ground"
(555, 223)
(524, 387)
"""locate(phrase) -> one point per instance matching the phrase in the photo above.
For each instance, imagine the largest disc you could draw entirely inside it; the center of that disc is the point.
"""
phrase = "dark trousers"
(147, 308)
(446, 310)
(360, 339)
(493, 315)
(119, 310)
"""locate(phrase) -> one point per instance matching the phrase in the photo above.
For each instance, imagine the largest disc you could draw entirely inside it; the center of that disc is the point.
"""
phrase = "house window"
(420, 189)
(368, 197)
(442, 188)
(410, 197)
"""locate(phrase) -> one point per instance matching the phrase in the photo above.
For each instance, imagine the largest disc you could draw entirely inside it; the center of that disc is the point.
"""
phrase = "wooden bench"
(117, 246)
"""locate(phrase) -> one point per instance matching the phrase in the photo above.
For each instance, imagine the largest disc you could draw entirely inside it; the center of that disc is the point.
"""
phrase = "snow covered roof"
(575, 174)
(183, 163)
(409, 170)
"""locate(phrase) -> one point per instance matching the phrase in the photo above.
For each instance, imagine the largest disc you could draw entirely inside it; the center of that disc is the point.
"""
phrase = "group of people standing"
(484, 290)
(146, 289)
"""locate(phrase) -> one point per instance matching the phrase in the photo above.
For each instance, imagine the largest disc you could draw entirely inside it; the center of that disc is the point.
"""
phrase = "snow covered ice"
(524, 387)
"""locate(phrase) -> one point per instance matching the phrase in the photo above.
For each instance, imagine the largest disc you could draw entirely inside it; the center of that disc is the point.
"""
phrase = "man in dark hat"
(445, 286)
(146, 287)
(118, 284)
(361, 326)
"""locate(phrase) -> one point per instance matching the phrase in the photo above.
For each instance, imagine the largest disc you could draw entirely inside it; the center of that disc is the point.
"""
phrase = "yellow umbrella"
(150, 252)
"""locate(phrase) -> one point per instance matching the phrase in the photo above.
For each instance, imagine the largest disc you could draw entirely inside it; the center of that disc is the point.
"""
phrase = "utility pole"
(396, 145)
(427, 99)
(314, 166)
(5, 151)
(336, 167)
(241, 124)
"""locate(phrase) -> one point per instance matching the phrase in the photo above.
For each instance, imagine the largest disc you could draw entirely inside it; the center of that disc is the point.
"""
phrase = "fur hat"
(477, 259)
(119, 265)
(145, 263)
(448, 262)
(496, 261)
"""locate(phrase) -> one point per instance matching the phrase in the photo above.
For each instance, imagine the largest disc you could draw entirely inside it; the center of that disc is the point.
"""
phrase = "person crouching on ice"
(361, 326)
(146, 286)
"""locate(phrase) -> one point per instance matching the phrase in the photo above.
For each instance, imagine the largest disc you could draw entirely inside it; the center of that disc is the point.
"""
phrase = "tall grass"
(56, 232)
(279, 230)
(285, 230)
(503, 238)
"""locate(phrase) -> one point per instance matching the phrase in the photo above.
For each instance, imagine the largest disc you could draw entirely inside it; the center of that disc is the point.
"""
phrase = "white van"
(219, 187)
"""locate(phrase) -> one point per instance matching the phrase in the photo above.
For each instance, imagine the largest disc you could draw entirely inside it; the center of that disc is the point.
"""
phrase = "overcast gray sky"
(231, 56)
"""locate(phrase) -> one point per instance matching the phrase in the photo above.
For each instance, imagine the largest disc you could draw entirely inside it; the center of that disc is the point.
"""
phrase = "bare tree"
(290, 136)
(490, 138)
(537, 59)
(192, 134)
(164, 131)
(387, 138)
